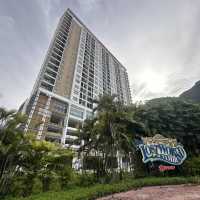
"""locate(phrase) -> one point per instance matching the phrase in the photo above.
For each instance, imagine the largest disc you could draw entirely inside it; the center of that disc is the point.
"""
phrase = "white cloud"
(157, 36)
(6, 24)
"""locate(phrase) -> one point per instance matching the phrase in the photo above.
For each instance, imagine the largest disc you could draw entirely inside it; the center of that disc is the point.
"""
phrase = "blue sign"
(161, 152)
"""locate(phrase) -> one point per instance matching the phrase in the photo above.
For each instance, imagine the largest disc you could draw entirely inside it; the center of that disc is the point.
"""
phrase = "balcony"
(63, 40)
(52, 138)
(62, 35)
(52, 67)
(56, 56)
(57, 46)
(49, 79)
(46, 86)
(51, 73)
(54, 61)
(60, 43)
(53, 127)
(57, 51)
(53, 134)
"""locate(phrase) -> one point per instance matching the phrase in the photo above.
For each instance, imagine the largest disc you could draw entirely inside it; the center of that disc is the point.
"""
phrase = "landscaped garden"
(99, 190)
(37, 169)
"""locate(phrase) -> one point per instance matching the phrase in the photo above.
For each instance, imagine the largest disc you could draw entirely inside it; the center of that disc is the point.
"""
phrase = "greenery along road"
(100, 190)
(26, 162)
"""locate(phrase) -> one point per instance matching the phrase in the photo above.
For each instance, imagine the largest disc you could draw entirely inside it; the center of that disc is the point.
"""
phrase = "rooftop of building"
(74, 15)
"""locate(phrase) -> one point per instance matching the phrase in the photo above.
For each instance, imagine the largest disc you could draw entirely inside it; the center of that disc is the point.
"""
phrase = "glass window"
(76, 92)
(89, 115)
(77, 86)
(77, 81)
(75, 98)
(76, 111)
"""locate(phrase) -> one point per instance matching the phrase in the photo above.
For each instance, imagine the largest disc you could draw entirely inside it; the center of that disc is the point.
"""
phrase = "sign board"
(163, 168)
(162, 149)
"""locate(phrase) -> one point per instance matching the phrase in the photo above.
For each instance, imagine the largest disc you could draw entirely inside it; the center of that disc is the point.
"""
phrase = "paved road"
(172, 192)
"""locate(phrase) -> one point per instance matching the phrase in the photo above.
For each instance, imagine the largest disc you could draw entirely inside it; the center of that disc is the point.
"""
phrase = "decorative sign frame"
(162, 149)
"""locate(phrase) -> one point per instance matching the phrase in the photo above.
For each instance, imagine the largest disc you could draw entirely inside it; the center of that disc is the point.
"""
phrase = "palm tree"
(11, 137)
(22, 155)
(110, 133)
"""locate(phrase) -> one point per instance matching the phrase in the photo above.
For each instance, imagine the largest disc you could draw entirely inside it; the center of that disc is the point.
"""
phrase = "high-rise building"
(76, 69)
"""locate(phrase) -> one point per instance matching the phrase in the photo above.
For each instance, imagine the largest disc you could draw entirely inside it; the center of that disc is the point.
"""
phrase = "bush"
(65, 177)
(99, 190)
(22, 185)
(192, 166)
(85, 180)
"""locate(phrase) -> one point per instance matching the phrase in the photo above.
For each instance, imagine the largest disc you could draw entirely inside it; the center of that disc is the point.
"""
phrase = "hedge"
(100, 190)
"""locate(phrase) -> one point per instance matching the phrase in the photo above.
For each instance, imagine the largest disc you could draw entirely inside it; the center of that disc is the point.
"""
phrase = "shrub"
(85, 180)
(99, 190)
(22, 185)
(65, 177)
(192, 166)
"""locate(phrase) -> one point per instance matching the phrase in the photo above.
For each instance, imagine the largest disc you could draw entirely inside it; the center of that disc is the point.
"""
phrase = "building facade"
(77, 69)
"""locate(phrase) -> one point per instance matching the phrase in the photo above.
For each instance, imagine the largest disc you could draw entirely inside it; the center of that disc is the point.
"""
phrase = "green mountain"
(193, 93)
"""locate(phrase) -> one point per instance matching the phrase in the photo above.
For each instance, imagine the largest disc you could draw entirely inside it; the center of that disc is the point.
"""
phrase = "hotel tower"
(77, 69)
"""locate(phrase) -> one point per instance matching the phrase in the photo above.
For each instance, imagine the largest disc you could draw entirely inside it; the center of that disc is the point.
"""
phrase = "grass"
(99, 190)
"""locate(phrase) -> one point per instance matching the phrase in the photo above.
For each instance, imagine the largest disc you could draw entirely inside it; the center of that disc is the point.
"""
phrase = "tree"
(46, 161)
(24, 157)
(11, 148)
(109, 134)
(172, 117)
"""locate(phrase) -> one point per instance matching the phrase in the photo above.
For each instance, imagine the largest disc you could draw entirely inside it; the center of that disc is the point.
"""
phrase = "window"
(79, 70)
(51, 73)
(54, 61)
(58, 47)
(84, 80)
(83, 90)
(82, 102)
(90, 84)
(54, 55)
(89, 115)
(57, 51)
(80, 62)
(75, 98)
(60, 43)
(59, 106)
(76, 86)
(49, 79)
(76, 92)
(77, 81)
(46, 86)
(72, 142)
(89, 105)
(61, 38)
(89, 99)
(83, 85)
(82, 96)
(76, 111)
(74, 123)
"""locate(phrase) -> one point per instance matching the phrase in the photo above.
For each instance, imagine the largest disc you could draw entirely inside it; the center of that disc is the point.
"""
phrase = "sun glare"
(154, 82)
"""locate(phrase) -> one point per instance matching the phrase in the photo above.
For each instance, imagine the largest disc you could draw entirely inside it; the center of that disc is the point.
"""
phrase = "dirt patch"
(169, 192)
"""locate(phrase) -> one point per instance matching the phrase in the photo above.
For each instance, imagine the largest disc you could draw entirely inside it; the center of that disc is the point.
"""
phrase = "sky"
(157, 41)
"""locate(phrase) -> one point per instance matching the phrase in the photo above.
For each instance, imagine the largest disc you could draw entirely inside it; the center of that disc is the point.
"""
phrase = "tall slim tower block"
(77, 69)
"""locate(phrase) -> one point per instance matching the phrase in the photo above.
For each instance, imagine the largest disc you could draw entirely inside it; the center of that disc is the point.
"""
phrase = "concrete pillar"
(66, 120)
(31, 112)
(46, 112)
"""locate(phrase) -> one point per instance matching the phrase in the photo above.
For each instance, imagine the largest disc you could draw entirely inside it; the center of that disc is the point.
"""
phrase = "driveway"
(170, 192)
